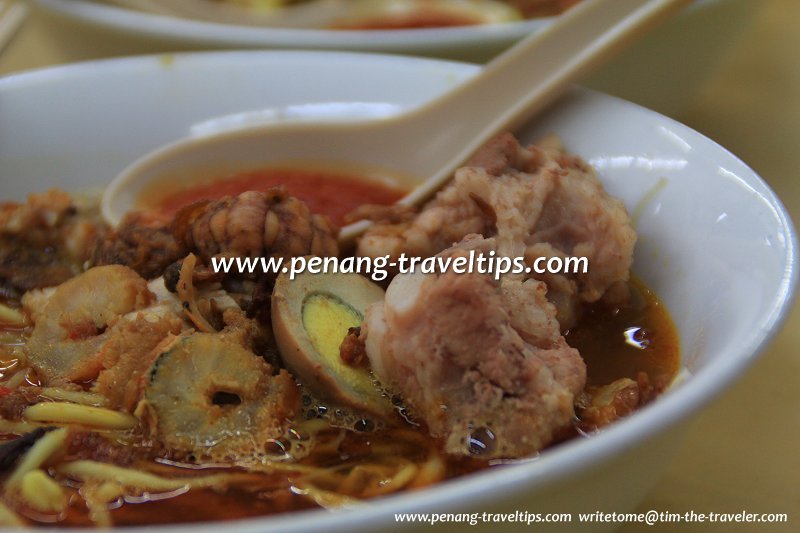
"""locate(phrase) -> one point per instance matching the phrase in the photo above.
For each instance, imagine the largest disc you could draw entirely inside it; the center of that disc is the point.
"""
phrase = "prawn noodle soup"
(140, 386)
(374, 14)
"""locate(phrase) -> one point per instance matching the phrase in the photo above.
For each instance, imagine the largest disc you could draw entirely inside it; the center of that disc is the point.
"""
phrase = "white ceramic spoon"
(428, 142)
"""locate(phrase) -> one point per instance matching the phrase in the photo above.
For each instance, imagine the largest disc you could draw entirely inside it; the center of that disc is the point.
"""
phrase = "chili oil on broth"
(331, 190)
(614, 342)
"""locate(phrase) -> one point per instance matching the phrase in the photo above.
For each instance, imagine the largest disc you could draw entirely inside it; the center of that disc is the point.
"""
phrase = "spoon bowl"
(425, 144)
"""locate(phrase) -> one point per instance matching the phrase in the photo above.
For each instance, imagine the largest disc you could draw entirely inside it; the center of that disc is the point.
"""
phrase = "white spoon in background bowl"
(425, 144)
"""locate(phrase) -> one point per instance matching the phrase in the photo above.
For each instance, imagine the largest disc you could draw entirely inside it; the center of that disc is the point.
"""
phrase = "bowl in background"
(663, 71)
(715, 243)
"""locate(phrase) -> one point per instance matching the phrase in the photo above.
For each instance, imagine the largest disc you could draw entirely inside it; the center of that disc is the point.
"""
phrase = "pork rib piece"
(481, 361)
(535, 202)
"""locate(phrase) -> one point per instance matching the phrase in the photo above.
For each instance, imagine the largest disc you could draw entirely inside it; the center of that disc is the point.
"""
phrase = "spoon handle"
(528, 76)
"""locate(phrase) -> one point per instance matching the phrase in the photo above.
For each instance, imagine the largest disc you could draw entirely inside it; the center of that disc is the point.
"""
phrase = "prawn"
(255, 223)
(73, 323)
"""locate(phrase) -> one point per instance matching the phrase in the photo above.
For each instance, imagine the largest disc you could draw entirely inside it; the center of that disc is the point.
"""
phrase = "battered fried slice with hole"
(209, 397)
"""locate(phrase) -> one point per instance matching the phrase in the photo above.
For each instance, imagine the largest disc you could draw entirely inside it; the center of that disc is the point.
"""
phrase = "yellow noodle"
(9, 517)
(265, 466)
(40, 452)
(269, 467)
(312, 427)
(93, 470)
(42, 493)
(355, 480)
(16, 380)
(17, 428)
(374, 480)
(137, 479)
(326, 477)
(432, 471)
(12, 317)
(331, 445)
(97, 496)
(324, 498)
(338, 472)
(98, 513)
(84, 398)
(108, 491)
(67, 413)
(402, 478)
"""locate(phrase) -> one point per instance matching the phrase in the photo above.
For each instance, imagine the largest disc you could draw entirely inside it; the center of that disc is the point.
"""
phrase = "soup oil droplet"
(636, 337)
(276, 448)
(297, 434)
(481, 441)
(364, 425)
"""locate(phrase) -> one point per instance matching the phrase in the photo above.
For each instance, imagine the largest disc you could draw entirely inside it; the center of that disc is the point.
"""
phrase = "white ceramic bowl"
(663, 71)
(715, 243)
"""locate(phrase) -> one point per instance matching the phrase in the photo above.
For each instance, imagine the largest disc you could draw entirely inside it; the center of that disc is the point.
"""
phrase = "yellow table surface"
(743, 453)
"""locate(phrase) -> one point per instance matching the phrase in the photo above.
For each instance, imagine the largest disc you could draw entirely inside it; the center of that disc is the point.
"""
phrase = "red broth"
(419, 19)
(326, 192)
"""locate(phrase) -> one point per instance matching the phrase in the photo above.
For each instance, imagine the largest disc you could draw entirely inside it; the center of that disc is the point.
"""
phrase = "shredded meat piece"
(255, 224)
(200, 274)
(536, 202)
(480, 361)
(43, 242)
(252, 295)
(143, 241)
(186, 293)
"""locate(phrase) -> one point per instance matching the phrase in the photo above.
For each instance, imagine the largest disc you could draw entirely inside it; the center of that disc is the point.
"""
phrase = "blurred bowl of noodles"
(663, 71)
